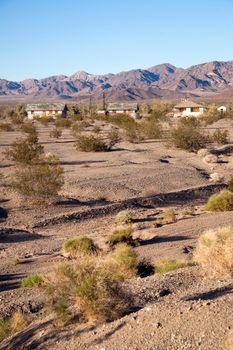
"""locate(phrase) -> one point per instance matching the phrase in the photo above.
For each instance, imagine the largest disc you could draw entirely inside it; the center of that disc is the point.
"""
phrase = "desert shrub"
(166, 265)
(151, 129)
(25, 151)
(189, 136)
(212, 115)
(215, 250)
(210, 159)
(6, 127)
(125, 216)
(79, 245)
(122, 235)
(96, 129)
(134, 134)
(56, 133)
(62, 122)
(169, 216)
(91, 143)
(113, 138)
(220, 136)
(10, 325)
(88, 289)
(80, 126)
(45, 120)
(28, 128)
(230, 185)
(222, 201)
(32, 281)
(122, 120)
(121, 263)
(216, 177)
(41, 181)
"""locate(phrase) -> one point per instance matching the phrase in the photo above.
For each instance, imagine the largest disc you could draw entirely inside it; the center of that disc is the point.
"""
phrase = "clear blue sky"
(40, 38)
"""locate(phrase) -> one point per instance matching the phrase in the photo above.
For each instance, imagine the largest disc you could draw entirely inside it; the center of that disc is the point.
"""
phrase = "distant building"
(188, 108)
(222, 109)
(46, 110)
(130, 109)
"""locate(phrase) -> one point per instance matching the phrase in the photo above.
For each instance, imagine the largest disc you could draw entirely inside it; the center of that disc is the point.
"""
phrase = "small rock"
(164, 292)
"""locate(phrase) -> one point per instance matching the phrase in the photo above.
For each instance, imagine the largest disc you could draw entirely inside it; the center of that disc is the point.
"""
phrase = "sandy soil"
(196, 313)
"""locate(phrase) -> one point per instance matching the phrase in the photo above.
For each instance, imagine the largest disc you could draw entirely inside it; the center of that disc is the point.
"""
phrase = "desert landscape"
(145, 185)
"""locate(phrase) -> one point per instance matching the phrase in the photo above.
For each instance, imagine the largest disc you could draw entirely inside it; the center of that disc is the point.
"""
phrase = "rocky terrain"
(179, 310)
(163, 81)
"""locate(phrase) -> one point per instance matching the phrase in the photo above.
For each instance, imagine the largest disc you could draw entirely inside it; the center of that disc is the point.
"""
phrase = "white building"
(222, 109)
(46, 110)
(188, 108)
(129, 108)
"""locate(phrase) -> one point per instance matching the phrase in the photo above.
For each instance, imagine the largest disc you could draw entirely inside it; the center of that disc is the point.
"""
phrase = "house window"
(195, 109)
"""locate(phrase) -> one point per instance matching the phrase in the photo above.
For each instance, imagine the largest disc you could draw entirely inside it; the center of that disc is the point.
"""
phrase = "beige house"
(46, 110)
(188, 108)
(128, 108)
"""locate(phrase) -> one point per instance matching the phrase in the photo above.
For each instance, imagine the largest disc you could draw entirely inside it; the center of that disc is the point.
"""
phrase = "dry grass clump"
(169, 216)
(122, 235)
(230, 185)
(87, 289)
(78, 246)
(125, 217)
(168, 265)
(216, 177)
(8, 326)
(222, 201)
(215, 250)
(32, 281)
(121, 262)
(210, 159)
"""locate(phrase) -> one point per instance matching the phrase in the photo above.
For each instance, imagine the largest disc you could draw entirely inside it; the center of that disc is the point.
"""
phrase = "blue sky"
(40, 38)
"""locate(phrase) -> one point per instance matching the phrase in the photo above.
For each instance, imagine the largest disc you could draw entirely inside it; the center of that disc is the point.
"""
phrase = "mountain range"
(164, 81)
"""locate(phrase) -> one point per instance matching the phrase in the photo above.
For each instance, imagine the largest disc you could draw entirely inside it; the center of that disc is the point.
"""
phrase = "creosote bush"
(32, 281)
(189, 136)
(28, 128)
(122, 235)
(6, 127)
(151, 129)
(62, 122)
(221, 137)
(25, 151)
(222, 201)
(79, 246)
(215, 250)
(40, 181)
(56, 133)
(91, 143)
(168, 265)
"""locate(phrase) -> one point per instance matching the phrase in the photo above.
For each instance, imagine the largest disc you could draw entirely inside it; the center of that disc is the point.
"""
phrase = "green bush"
(25, 151)
(86, 287)
(62, 122)
(79, 245)
(32, 281)
(222, 201)
(230, 185)
(122, 235)
(56, 133)
(40, 181)
(91, 143)
(151, 129)
(189, 137)
(28, 128)
(220, 136)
